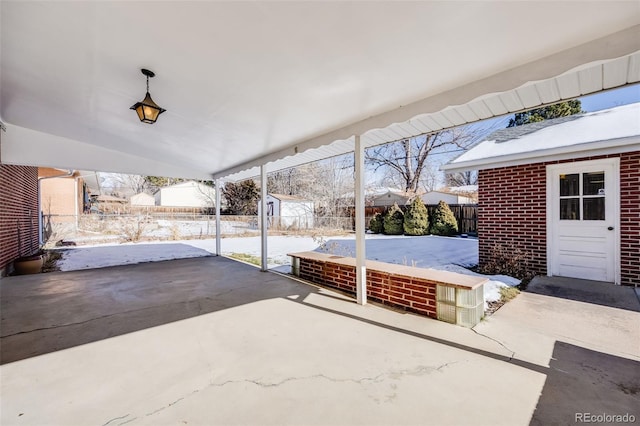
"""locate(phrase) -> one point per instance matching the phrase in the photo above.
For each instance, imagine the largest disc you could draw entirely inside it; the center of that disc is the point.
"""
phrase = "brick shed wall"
(58, 196)
(409, 293)
(18, 209)
(512, 213)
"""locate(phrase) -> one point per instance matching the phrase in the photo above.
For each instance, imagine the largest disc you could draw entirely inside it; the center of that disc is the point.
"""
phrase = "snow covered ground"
(443, 253)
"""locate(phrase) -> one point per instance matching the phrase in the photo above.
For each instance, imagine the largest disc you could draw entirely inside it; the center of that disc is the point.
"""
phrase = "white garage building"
(186, 194)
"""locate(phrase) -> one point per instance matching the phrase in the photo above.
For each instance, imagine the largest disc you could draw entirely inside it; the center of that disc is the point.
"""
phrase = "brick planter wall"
(411, 294)
(18, 208)
(512, 213)
(411, 289)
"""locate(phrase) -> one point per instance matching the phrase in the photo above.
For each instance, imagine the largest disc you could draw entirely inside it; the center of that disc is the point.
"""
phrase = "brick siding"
(512, 213)
(408, 293)
(630, 218)
(18, 209)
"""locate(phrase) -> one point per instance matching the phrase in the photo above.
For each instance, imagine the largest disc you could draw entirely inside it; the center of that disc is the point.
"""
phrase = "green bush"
(443, 222)
(376, 224)
(416, 219)
(394, 221)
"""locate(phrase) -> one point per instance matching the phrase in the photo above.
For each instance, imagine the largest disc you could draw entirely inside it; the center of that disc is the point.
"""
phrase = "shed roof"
(110, 199)
(606, 131)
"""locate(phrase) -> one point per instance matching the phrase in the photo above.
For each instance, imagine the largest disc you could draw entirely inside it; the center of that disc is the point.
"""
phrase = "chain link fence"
(105, 227)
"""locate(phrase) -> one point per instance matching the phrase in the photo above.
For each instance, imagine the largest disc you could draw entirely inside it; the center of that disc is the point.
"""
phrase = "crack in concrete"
(418, 371)
(172, 403)
(513, 353)
(116, 418)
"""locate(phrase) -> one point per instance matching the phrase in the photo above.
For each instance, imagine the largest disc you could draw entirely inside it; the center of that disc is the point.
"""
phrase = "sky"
(596, 102)
(611, 98)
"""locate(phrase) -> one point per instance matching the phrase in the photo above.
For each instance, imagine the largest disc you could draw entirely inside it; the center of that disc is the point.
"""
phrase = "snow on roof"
(562, 135)
(186, 184)
(377, 191)
(459, 189)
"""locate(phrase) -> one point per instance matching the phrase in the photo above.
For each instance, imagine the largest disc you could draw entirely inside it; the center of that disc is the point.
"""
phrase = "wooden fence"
(466, 215)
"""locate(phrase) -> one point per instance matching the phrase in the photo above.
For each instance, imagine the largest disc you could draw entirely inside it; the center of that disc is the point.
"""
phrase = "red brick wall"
(409, 293)
(512, 213)
(18, 209)
(630, 218)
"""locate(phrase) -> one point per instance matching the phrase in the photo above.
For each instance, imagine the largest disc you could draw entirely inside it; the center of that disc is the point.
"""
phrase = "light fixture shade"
(147, 110)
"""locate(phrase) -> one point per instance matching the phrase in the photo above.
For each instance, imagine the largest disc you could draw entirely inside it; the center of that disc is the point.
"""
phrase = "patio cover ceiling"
(251, 83)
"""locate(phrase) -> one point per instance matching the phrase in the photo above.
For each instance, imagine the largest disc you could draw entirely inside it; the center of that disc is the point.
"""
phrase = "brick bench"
(447, 296)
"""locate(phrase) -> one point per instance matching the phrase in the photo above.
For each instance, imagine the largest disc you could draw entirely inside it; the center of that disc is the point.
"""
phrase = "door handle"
(610, 228)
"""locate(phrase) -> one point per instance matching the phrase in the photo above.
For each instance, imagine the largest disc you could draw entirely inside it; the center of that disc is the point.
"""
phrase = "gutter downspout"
(40, 179)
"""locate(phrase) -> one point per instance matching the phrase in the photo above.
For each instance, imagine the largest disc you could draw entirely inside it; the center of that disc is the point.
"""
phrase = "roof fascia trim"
(611, 146)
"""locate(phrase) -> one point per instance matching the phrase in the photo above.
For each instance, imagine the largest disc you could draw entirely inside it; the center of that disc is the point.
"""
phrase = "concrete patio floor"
(214, 341)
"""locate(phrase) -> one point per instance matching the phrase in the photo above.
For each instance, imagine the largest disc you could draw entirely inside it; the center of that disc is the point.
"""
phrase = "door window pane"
(593, 208)
(570, 209)
(593, 183)
(569, 185)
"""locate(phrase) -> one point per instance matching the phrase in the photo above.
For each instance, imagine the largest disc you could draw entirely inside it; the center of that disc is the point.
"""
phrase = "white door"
(582, 220)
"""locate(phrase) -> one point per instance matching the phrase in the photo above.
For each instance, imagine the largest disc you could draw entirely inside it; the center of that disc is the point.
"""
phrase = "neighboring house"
(63, 194)
(142, 199)
(108, 204)
(18, 214)
(380, 197)
(564, 192)
(289, 211)
(387, 197)
(186, 194)
(449, 197)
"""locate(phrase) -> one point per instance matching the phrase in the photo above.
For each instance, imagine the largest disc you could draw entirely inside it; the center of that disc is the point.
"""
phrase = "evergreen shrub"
(376, 224)
(443, 221)
(394, 221)
(416, 219)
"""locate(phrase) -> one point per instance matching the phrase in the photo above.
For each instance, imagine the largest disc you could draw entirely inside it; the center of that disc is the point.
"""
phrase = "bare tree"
(335, 180)
(324, 182)
(284, 182)
(207, 192)
(124, 184)
(462, 178)
(407, 159)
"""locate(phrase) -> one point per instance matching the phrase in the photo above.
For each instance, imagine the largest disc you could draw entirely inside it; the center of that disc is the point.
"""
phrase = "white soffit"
(590, 78)
(250, 83)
